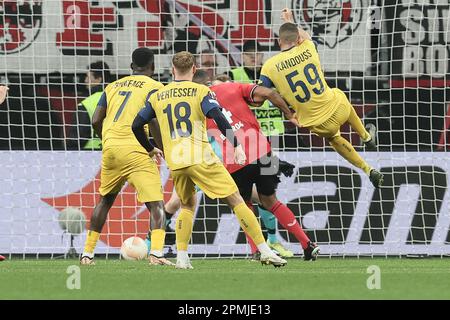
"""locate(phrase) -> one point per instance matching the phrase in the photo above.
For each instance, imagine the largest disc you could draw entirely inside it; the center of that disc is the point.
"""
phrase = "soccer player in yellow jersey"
(296, 73)
(181, 108)
(123, 158)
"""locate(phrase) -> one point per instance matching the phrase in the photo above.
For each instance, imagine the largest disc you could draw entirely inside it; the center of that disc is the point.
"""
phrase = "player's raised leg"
(330, 129)
(347, 151)
(357, 125)
(368, 135)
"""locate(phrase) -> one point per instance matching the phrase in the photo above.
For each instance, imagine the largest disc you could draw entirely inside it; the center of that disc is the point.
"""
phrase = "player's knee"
(189, 204)
(255, 196)
(108, 200)
(268, 201)
(173, 205)
(233, 200)
(333, 137)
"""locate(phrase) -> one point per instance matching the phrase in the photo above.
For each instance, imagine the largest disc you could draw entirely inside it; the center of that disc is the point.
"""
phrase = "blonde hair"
(183, 61)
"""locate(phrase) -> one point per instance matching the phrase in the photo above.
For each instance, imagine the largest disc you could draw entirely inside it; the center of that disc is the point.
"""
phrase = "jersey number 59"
(313, 80)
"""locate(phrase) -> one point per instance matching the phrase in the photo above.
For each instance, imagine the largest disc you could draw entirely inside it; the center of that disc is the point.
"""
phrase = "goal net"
(391, 58)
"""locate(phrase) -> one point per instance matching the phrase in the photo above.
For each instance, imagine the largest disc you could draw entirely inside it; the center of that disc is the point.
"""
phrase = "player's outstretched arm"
(260, 94)
(3, 93)
(287, 16)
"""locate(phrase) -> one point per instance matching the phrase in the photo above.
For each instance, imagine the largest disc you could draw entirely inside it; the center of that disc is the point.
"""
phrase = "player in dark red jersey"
(260, 169)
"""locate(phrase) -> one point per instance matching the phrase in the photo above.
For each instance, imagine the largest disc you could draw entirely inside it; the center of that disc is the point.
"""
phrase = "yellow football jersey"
(181, 108)
(298, 77)
(123, 99)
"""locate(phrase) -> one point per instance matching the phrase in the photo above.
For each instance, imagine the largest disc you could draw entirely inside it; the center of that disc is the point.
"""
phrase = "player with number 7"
(124, 159)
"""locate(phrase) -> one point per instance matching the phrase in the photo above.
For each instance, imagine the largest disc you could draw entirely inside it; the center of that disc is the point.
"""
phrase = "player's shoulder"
(115, 83)
(111, 85)
(225, 86)
(270, 63)
(305, 45)
(201, 89)
(196, 85)
(153, 83)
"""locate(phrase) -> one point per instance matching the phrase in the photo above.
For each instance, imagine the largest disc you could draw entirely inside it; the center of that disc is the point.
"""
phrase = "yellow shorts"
(120, 164)
(331, 126)
(213, 179)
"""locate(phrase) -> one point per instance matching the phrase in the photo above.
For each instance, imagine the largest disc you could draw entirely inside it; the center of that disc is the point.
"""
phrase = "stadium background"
(390, 57)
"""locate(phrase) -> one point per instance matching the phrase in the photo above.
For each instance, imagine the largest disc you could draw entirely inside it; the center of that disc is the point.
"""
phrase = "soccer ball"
(134, 248)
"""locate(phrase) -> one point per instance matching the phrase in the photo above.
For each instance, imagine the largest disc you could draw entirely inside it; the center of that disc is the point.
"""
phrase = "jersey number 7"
(127, 95)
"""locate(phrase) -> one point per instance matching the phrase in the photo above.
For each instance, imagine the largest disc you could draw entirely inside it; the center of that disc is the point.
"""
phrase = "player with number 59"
(297, 75)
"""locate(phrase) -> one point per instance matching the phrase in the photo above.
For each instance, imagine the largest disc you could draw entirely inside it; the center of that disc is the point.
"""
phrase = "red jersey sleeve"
(247, 91)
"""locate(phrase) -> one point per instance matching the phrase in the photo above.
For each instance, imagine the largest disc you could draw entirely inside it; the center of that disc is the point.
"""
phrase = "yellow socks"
(346, 150)
(157, 242)
(249, 223)
(91, 242)
(183, 229)
(357, 125)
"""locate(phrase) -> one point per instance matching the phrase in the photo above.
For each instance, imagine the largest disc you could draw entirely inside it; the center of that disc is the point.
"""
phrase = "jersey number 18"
(182, 112)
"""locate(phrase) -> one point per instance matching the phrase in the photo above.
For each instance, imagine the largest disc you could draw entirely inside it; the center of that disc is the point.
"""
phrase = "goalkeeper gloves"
(284, 167)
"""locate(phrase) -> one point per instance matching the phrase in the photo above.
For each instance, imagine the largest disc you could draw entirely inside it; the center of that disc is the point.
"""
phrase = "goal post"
(391, 58)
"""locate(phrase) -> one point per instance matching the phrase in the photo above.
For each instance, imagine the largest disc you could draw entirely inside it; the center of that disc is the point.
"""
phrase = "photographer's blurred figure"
(252, 61)
(207, 62)
(81, 136)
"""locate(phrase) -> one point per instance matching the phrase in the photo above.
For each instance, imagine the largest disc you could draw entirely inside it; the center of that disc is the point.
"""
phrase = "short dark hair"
(222, 77)
(251, 45)
(288, 32)
(201, 76)
(100, 69)
(142, 57)
(183, 61)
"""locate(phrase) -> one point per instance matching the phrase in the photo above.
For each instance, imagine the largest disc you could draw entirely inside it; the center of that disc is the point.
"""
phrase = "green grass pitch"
(228, 279)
